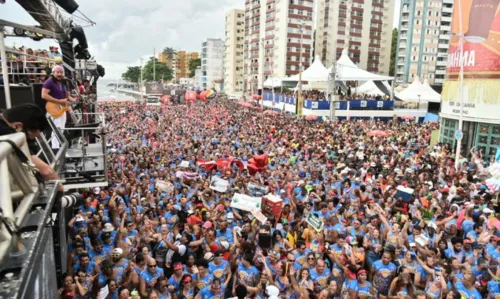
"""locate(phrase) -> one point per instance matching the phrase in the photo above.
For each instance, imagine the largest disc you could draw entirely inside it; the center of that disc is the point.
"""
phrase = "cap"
(230, 216)
(225, 244)
(412, 244)
(78, 218)
(272, 291)
(208, 256)
(178, 266)
(207, 224)
(108, 227)
(117, 251)
(487, 211)
(444, 190)
(96, 190)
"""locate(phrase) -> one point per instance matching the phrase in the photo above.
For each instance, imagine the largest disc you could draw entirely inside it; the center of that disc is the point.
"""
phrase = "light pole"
(262, 74)
(333, 72)
(299, 104)
(140, 85)
(460, 121)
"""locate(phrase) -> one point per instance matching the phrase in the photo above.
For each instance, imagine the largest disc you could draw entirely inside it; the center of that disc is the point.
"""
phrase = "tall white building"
(363, 27)
(278, 39)
(423, 42)
(233, 55)
(212, 54)
(198, 77)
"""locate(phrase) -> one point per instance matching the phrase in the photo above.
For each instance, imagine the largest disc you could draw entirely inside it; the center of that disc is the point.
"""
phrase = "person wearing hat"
(54, 91)
(97, 253)
(149, 277)
(109, 272)
(186, 289)
(175, 279)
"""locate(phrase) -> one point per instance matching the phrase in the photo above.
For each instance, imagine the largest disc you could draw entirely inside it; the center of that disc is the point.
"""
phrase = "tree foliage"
(133, 74)
(394, 48)
(193, 64)
(163, 72)
(169, 52)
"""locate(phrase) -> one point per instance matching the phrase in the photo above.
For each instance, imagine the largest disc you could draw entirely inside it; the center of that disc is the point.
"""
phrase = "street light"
(299, 104)
(460, 121)
(333, 72)
(262, 75)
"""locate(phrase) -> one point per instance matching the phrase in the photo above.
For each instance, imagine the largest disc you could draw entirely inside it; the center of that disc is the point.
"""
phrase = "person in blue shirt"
(466, 287)
(215, 290)
(383, 272)
(149, 277)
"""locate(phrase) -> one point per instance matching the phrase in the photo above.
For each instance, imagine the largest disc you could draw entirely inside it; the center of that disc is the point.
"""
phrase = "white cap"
(412, 244)
(230, 216)
(108, 227)
(117, 251)
(96, 190)
(78, 218)
(487, 211)
(225, 244)
(272, 291)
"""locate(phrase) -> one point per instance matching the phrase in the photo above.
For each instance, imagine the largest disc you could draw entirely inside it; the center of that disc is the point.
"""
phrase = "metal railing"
(18, 189)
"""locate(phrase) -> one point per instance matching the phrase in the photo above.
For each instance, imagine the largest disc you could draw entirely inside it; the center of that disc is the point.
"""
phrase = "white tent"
(346, 70)
(273, 82)
(432, 95)
(316, 72)
(418, 92)
(370, 88)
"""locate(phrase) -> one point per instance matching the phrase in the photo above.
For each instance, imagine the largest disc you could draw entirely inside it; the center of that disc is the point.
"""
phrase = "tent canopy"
(316, 72)
(346, 70)
(418, 92)
(370, 88)
(273, 82)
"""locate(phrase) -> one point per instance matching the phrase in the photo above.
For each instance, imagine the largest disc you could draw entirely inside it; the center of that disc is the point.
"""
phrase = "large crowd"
(317, 95)
(162, 230)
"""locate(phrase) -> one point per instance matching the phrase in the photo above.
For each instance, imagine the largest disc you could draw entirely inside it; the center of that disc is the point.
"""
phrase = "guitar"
(57, 110)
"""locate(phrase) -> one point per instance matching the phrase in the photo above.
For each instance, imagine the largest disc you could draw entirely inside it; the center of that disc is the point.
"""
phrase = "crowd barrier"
(362, 109)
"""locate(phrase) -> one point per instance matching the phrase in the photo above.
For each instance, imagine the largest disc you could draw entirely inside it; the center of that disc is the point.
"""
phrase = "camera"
(72, 199)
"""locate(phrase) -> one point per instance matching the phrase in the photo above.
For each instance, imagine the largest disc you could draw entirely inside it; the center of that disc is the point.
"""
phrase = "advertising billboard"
(154, 88)
(481, 61)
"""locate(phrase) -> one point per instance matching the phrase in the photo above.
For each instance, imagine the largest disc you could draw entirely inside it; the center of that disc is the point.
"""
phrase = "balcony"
(447, 9)
(444, 36)
(438, 81)
(443, 46)
(441, 72)
(441, 63)
(446, 19)
(445, 28)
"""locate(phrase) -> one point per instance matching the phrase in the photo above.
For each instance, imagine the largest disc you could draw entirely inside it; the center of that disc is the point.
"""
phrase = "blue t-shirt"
(383, 275)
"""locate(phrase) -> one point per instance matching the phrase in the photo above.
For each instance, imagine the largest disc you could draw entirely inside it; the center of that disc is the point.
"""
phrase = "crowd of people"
(161, 229)
(318, 95)
(31, 66)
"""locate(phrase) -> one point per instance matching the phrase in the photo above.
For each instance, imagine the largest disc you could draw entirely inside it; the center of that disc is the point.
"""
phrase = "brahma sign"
(481, 60)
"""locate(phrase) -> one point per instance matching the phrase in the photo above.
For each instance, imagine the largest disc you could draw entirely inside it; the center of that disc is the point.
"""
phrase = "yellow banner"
(300, 106)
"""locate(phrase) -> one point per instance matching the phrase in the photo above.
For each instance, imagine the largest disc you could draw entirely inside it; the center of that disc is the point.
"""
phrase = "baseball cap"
(207, 224)
(96, 190)
(117, 251)
(178, 266)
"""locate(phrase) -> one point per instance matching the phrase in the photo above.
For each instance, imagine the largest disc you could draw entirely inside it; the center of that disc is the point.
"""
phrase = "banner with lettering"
(480, 59)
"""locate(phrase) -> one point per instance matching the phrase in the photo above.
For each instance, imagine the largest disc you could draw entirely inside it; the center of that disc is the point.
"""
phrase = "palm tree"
(169, 52)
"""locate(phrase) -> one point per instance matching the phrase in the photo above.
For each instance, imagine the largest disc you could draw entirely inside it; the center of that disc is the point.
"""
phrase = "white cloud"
(129, 29)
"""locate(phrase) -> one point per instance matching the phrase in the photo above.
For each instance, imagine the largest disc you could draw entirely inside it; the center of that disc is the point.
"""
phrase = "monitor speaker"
(68, 5)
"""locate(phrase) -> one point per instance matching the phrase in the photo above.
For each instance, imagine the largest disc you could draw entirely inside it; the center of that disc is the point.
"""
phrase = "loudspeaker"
(18, 95)
(68, 5)
(265, 237)
(37, 96)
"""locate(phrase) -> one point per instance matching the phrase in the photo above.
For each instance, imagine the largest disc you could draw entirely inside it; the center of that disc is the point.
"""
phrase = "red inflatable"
(203, 96)
(221, 164)
(257, 164)
(190, 96)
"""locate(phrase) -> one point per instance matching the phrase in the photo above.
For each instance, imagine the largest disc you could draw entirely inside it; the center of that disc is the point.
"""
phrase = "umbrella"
(245, 104)
(378, 133)
(271, 112)
(408, 117)
(311, 117)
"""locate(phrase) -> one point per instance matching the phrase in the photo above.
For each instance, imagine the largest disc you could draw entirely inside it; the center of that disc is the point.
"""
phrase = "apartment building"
(233, 52)
(212, 58)
(423, 42)
(278, 39)
(364, 27)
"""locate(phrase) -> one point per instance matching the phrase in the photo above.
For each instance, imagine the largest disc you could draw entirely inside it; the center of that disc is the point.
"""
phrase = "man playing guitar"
(57, 97)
